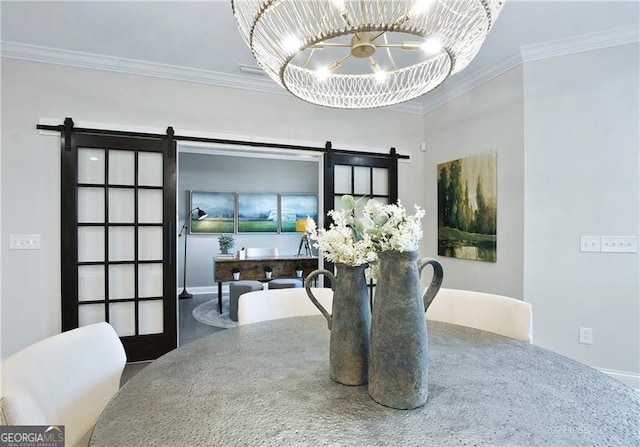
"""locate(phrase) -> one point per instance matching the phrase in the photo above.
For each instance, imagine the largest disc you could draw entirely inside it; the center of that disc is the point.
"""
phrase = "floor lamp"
(201, 215)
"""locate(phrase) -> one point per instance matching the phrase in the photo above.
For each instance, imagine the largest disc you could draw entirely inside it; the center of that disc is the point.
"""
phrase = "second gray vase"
(398, 356)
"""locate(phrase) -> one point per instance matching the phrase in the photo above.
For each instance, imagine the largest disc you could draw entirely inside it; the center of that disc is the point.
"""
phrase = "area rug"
(207, 313)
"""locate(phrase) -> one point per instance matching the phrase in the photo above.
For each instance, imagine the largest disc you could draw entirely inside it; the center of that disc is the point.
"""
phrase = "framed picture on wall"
(467, 207)
(257, 212)
(294, 211)
(220, 209)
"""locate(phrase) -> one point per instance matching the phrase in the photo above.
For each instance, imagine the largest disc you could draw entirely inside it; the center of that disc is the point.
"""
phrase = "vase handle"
(307, 286)
(436, 281)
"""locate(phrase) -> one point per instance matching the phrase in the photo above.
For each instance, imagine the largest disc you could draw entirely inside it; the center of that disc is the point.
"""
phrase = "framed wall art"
(257, 212)
(220, 209)
(467, 207)
(294, 210)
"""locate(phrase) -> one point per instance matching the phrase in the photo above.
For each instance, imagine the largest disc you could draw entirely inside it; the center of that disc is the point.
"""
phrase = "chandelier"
(360, 54)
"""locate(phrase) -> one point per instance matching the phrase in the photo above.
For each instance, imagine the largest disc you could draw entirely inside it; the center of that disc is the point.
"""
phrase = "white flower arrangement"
(356, 241)
(390, 228)
(343, 242)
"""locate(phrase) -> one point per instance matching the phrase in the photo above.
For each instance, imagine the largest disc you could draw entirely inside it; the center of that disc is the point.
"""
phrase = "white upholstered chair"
(493, 313)
(261, 252)
(66, 379)
(273, 304)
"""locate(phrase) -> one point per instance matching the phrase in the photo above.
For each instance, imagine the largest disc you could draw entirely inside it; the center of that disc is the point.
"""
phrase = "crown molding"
(254, 82)
(453, 87)
(35, 53)
(414, 106)
(579, 44)
(466, 81)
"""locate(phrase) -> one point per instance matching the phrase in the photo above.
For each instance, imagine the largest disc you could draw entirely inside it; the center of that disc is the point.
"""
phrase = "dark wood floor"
(190, 330)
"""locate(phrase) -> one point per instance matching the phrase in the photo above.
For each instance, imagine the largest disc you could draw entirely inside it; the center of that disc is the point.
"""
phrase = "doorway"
(219, 168)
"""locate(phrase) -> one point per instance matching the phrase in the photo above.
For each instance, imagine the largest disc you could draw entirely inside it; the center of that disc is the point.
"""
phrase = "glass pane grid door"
(362, 182)
(120, 243)
(363, 177)
(118, 265)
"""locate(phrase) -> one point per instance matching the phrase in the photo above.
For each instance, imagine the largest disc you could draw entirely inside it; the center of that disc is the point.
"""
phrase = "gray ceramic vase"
(349, 323)
(398, 356)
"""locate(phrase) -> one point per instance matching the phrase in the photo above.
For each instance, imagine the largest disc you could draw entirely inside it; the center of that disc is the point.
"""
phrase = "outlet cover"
(586, 335)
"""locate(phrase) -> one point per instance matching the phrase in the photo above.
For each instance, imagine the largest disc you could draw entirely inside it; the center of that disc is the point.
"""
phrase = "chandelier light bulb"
(421, 7)
(293, 40)
(339, 4)
(378, 72)
(291, 43)
(323, 73)
(431, 46)
(380, 75)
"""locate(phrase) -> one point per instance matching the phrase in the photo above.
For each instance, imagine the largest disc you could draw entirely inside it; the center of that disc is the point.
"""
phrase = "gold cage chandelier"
(360, 54)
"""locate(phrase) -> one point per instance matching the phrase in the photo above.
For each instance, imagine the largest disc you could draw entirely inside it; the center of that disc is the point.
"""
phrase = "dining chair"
(493, 313)
(261, 252)
(66, 379)
(281, 303)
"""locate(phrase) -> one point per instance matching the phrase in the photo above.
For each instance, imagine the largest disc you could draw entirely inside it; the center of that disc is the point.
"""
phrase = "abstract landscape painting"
(294, 210)
(219, 207)
(257, 213)
(467, 207)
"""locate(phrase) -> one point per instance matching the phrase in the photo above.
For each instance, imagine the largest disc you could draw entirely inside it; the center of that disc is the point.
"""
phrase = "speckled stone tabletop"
(267, 384)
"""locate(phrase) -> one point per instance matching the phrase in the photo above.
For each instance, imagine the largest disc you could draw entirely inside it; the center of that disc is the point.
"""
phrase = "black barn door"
(371, 176)
(118, 241)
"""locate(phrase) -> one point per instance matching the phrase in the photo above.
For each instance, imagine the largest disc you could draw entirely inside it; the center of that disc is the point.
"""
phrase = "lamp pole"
(201, 215)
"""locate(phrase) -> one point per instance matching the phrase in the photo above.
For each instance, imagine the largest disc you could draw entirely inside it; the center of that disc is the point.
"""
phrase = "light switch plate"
(619, 244)
(24, 242)
(590, 243)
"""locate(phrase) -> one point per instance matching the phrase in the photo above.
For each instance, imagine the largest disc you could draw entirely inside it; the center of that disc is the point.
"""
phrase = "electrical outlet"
(586, 335)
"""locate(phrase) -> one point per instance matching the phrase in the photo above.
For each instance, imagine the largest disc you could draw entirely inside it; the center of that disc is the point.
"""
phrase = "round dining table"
(267, 384)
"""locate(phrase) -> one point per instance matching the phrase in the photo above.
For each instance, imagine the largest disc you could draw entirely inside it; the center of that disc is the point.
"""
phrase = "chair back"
(493, 313)
(273, 304)
(66, 379)
(261, 252)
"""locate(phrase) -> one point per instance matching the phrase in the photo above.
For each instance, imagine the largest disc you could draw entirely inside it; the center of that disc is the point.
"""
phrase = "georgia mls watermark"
(31, 435)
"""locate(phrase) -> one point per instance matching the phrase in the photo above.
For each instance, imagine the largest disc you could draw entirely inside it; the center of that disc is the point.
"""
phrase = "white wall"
(202, 172)
(488, 118)
(31, 169)
(566, 131)
(581, 156)
(573, 120)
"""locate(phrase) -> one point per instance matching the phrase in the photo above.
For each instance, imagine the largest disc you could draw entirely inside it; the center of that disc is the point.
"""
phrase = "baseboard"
(206, 289)
(630, 379)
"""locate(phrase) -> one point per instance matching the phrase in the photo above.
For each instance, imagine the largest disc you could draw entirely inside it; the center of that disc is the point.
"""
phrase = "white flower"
(390, 228)
(356, 241)
(343, 242)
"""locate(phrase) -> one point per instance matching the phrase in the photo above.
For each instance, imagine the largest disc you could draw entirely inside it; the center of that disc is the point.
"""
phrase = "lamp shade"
(301, 224)
(201, 214)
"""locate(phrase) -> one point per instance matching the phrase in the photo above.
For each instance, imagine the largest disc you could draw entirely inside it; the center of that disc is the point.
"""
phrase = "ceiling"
(202, 35)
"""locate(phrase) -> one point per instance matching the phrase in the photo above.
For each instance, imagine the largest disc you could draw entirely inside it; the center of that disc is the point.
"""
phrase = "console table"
(253, 268)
